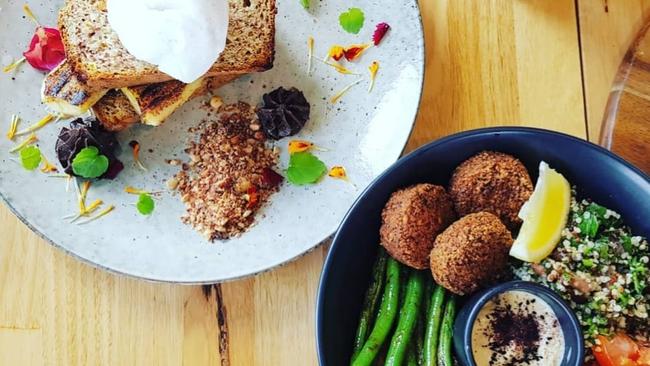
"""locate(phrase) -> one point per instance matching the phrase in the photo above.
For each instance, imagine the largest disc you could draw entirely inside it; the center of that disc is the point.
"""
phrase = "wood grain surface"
(506, 62)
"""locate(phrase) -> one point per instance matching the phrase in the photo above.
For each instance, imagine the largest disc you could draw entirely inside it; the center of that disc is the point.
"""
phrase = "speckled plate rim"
(271, 266)
(327, 266)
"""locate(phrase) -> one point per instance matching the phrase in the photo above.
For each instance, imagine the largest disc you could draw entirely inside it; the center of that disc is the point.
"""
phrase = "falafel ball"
(493, 182)
(471, 253)
(412, 219)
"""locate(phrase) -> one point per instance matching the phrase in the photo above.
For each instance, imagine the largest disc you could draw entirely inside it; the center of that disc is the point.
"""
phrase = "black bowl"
(597, 174)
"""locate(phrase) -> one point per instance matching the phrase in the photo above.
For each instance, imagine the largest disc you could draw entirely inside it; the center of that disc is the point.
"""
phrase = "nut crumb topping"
(223, 185)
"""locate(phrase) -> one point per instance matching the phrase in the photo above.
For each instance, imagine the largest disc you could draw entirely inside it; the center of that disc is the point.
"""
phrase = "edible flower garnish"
(82, 193)
(340, 94)
(380, 33)
(30, 157)
(338, 172)
(136, 154)
(47, 166)
(299, 146)
(29, 140)
(352, 20)
(87, 210)
(270, 178)
(13, 65)
(336, 53)
(340, 68)
(36, 126)
(145, 204)
(88, 163)
(13, 126)
(350, 53)
(354, 51)
(133, 190)
(105, 212)
(310, 53)
(45, 50)
(373, 68)
(305, 168)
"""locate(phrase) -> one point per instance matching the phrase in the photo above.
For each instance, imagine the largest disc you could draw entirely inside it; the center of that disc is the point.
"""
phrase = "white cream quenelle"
(183, 38)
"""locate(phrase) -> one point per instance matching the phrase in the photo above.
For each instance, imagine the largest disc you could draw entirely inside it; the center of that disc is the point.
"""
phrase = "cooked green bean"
(445, 357)
(373, 294)
(411, 358)
(408, 316)
(385, 317)
(432, 331)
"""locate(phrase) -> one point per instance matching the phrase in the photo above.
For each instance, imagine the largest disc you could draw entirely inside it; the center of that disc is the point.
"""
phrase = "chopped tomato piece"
(618, 351)
(644, 357)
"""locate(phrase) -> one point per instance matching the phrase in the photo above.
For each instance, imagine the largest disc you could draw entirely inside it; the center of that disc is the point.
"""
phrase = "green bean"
(373, 294)
(445, 357)
(385, 318)
(407, 319)
(419, 335)
(411, 358)
(432, 331)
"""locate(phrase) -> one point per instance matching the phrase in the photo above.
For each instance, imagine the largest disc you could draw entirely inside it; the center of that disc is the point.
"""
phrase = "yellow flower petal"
(13, 65)
(310, 53)
(338, 172)
(45, 120)
(29, 140)
(299, 146)
(340, 94)
(13, 126)
(373, 68)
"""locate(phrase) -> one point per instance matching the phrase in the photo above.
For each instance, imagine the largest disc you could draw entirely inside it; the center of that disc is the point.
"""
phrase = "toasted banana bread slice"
(96, 54)
(116, 113)
(64, 94)
(155, 102)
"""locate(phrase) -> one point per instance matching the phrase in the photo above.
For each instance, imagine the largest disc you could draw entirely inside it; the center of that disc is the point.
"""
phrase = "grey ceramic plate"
(363, 132)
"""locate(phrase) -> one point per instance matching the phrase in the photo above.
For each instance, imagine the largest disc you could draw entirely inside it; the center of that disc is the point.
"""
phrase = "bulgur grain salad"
(601, 269)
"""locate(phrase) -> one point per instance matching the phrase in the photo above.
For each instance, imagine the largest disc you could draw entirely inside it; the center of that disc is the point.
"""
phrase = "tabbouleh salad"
(601, 269)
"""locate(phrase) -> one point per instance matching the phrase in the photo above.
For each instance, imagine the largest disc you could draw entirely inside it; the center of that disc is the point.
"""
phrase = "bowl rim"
(476, 303)
(413, 155)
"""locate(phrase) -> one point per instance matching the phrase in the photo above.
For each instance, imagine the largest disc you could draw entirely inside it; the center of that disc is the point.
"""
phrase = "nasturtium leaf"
(30, 157)
(88, 163)
(352, 20)
(305, 3)
(145, 204)
(305, 168)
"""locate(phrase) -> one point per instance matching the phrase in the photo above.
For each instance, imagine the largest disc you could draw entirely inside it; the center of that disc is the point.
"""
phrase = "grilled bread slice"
(116, 112)
(64, 94)
(96, 54)
(155, 102)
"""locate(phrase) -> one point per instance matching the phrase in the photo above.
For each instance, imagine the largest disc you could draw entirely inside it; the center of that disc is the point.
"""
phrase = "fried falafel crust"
(412, 219)
(493, 182)
(471, 253)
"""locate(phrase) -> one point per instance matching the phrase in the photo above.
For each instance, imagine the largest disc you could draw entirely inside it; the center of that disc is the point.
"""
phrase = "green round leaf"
(352, 20)
(30, 157)
(305, 168)
(305, 3)
(89, 163)
(145, 204)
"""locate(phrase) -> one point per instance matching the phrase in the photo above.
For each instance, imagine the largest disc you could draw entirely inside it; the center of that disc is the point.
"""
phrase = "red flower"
(380, 32)
(46, 49)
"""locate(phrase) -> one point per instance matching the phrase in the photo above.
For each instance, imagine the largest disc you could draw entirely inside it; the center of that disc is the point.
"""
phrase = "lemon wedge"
(545, 214)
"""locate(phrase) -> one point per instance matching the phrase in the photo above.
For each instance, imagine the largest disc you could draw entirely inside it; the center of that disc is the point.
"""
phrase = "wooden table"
(544, 63)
